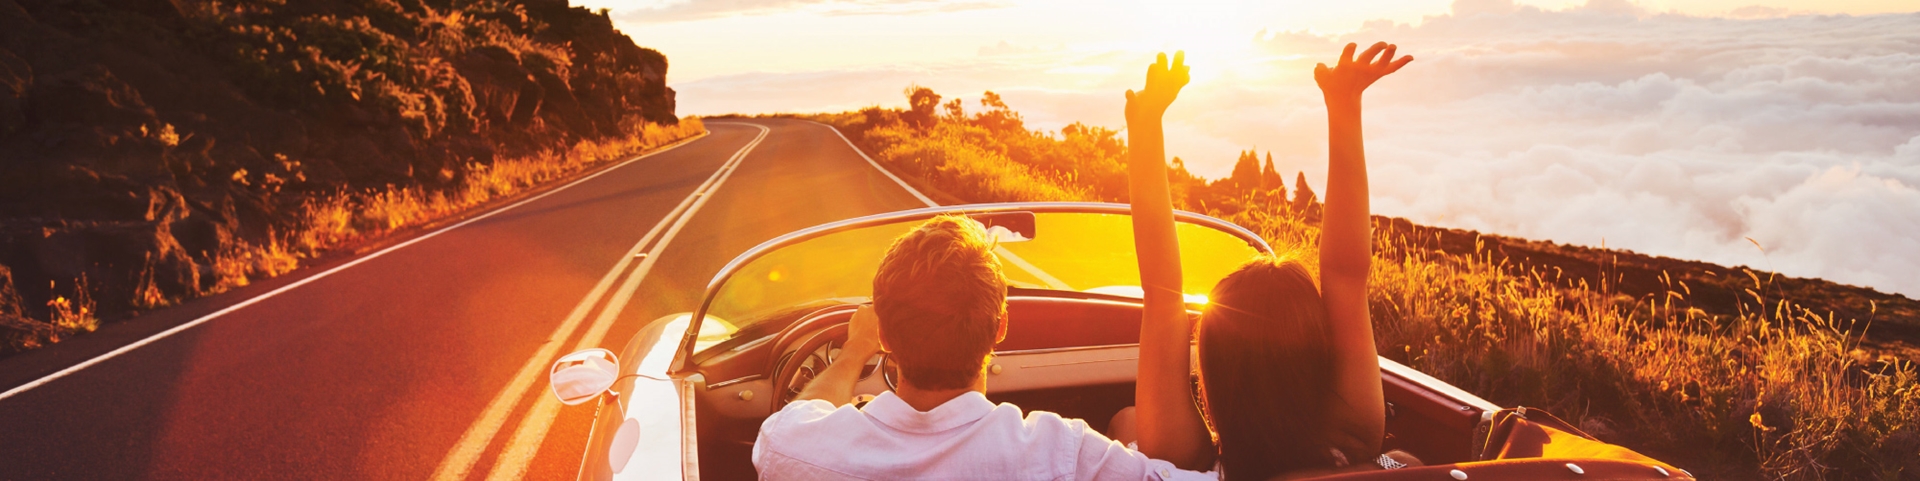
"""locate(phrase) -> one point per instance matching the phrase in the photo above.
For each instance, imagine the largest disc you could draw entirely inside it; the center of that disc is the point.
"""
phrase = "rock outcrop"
(139, 139)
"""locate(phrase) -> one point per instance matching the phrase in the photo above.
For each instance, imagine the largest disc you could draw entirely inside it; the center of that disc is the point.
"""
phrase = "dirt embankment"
(151, 148)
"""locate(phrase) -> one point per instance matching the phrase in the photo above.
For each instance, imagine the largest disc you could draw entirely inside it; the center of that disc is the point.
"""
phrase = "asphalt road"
(378, 366)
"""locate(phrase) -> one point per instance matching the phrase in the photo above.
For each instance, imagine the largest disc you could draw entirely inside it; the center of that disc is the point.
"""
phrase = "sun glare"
(1216, 36)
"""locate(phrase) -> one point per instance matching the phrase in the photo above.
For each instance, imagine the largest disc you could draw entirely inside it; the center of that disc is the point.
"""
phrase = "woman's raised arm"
(1346, 244)
(1169, 426)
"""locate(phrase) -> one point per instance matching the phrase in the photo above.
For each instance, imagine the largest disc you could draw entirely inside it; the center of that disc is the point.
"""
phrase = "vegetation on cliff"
(1730, 372)
(154, 151)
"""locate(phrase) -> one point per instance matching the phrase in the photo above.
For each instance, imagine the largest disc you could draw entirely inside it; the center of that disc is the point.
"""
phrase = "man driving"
(939, 306)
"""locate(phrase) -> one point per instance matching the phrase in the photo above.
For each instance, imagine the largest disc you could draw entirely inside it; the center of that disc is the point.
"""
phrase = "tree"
(998, 117)
(992, 101)
(921, 102)
(955, 111)
(1270, 179)
(1246, 173)
(1303, 198)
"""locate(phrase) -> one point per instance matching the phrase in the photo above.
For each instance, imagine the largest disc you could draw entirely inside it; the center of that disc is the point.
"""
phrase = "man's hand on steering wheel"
(835, 384)
(863, 336)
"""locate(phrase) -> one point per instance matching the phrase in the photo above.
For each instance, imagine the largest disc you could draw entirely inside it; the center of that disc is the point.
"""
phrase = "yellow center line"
(473, 443)
(526, 440)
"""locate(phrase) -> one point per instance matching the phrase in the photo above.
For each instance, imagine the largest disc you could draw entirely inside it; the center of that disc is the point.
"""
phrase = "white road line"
(1048, 279)
(1021, 262)
(473, 443)
(876, 166)
(532, 432)
(251, 301)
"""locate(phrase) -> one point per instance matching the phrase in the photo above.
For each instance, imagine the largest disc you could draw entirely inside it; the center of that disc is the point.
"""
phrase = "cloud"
(706, 9)
(1010, 48)
(1665, 134)
(1661, 133)
(1297, 42)
(1052, 87)
(1759, 11)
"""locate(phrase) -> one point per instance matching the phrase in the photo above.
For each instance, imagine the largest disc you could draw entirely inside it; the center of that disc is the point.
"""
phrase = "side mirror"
(583, 375)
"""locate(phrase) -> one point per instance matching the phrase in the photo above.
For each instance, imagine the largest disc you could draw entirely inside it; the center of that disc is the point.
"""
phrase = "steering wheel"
(808, 346)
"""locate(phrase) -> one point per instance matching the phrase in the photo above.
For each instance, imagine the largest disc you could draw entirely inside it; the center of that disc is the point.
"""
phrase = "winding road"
(427, 359)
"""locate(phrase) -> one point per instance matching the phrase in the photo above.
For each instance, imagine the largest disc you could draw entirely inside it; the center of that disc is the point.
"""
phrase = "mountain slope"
(162, 150)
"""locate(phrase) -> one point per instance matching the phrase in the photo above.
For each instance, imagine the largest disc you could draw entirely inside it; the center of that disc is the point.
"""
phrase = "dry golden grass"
(967, 170)
(331, 222)
(71, 314)
(1775, 392)
(75, 314)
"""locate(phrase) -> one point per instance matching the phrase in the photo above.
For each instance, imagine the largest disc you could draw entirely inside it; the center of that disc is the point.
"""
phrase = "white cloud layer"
(1665, 134)
(1670, 135)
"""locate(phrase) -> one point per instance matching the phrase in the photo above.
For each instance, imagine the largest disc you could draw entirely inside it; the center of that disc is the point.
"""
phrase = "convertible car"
(685, 398)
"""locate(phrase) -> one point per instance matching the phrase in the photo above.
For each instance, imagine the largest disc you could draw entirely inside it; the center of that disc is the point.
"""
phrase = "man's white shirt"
(968, 437)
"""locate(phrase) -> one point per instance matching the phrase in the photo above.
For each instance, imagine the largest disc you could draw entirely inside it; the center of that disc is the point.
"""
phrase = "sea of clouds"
(1787, 143)
(1664, 134)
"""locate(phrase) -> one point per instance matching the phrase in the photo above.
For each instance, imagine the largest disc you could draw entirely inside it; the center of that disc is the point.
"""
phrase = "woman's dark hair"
(1266, 370)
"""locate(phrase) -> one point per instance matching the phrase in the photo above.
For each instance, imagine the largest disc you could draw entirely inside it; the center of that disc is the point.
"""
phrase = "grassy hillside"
(155, 151)
(1730, 372)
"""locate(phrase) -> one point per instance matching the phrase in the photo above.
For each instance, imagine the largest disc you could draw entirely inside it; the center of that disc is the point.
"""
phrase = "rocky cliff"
(140, 139)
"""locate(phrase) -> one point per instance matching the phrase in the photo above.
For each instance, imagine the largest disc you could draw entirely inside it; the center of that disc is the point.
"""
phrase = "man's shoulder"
(803, 414)
(788, 431)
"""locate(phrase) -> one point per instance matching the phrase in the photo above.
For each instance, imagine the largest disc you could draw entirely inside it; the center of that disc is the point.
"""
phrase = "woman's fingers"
(1399, 63)
(1180, 68)
(1154, 71)
(1161, 75)
(1367, 58)
(1358, 72)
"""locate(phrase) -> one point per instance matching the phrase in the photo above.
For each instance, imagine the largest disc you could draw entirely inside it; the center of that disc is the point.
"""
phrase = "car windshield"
(1077, 252)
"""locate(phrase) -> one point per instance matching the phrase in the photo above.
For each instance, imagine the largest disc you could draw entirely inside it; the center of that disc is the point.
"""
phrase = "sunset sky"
(1671, 127)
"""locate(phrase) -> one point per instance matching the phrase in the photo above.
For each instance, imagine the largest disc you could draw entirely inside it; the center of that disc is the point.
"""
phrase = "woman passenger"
(1290, 382)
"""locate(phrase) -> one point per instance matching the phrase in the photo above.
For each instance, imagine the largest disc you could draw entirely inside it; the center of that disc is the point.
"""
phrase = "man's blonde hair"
(940, 297)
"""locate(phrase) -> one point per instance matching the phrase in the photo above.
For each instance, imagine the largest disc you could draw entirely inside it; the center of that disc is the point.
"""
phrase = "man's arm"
(1104, 459)
(1169, 426)
(1346, 242)
(835, 384)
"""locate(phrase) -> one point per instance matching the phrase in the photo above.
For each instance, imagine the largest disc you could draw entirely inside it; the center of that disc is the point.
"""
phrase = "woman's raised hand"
(1169, 427)
(1351, 75)
(1163, 84)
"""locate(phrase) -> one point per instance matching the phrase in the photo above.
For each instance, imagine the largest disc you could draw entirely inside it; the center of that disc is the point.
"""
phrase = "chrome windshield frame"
(681, 358)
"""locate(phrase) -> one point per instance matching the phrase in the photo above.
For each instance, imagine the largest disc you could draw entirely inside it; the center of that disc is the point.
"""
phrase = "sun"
(1216, 36)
